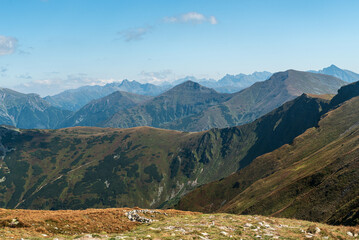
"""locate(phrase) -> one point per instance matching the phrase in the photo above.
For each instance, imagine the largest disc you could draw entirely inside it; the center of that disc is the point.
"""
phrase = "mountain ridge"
(262, 97)
(300, 180)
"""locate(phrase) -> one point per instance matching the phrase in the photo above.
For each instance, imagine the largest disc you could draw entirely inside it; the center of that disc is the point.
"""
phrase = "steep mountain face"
(74, 99)
(259, 99)
(28, 110)
(345, 93)
(314, 178)
(343, 74)
(183, 100)
(99, 110)
(86, 167)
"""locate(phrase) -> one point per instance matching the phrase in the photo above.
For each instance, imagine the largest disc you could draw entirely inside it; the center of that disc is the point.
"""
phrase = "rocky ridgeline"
(135, 216)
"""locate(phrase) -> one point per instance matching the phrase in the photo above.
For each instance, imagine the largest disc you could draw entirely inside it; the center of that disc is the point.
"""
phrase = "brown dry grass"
(39, 223)
(112, 223)
(322, 96)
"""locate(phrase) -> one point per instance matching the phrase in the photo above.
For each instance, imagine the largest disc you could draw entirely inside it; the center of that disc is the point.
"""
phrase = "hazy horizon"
(57, 45)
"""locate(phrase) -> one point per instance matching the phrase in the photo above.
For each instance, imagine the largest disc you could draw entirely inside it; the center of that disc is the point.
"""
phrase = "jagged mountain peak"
(126, 82)
(332, 66)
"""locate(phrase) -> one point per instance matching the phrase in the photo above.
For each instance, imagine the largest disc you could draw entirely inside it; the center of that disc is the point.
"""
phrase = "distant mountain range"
(75, 99)
(192, 107)
(185, 108)
(229, 83)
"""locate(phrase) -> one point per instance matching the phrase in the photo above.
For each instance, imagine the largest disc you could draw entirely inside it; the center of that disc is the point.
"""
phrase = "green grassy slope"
(314, 178)
(88, 167)
(92, 167)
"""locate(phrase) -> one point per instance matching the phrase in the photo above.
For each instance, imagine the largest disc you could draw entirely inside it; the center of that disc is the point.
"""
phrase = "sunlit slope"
(314, 178)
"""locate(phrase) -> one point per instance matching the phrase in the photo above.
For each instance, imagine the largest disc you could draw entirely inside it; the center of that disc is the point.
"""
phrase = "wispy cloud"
(7, 45)
(191, 17)
(24, 76)
(3, 69)
(46, 87)
(135, 34)
(157, 77)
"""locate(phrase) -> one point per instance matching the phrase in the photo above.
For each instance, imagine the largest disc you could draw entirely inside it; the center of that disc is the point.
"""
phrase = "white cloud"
(192, 17)
(47, 87)
(212, 20)
(7, 45)
(135, 34)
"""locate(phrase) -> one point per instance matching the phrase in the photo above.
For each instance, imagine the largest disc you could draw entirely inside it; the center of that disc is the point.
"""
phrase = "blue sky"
(51, 45)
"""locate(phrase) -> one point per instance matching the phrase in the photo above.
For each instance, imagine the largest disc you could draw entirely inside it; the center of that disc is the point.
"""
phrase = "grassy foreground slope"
(314, 178)
(87, 167)
(165, 224)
